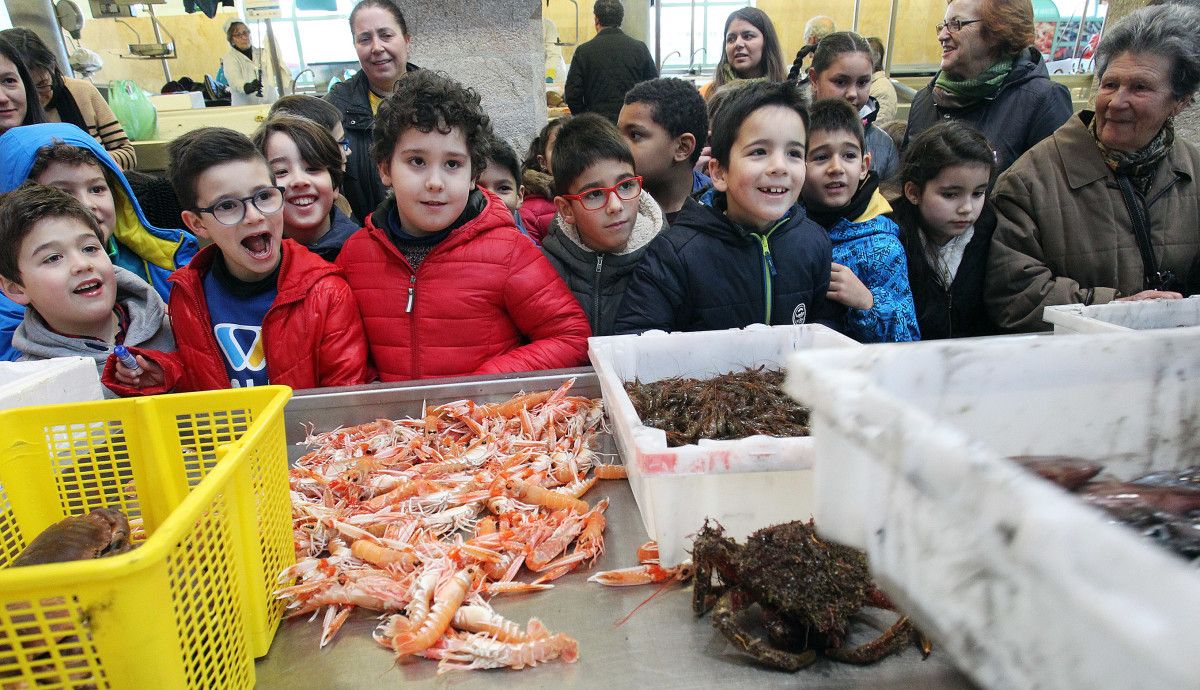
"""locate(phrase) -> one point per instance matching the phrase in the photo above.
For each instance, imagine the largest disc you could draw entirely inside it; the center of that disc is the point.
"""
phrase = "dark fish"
(1123, 497)
(102, 532)
(1068, 472)
(1185, 477)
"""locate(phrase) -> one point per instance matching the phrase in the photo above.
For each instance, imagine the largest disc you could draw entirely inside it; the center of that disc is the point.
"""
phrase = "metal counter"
(662, 645)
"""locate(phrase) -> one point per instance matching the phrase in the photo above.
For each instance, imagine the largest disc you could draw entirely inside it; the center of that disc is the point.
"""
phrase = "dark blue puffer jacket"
(708, 273)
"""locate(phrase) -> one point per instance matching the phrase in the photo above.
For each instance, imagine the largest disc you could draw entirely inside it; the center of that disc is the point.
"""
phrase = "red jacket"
(312, 334)
(537, 212)
(483, 301)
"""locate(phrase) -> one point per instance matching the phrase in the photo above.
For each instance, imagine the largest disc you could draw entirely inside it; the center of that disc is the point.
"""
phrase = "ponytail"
(794, 74)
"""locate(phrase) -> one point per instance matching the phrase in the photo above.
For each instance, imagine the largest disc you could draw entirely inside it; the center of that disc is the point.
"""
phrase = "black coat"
(1027, 108)
(707, 273)
(603, 69)
(362, 186)
(957, 312)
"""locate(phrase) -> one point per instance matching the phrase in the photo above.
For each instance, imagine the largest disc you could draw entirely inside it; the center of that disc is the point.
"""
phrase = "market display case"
(1122, 317)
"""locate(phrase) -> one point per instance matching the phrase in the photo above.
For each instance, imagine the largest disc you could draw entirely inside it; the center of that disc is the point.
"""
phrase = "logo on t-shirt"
(241, 346)
(799, 314)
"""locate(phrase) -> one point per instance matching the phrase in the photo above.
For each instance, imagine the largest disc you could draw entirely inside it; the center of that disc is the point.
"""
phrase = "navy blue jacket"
(707, 273)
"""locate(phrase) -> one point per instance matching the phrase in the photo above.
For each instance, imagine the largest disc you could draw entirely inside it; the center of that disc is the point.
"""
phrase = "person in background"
(817, 28)
(52, 261)
(870, 273)
(307, 163)
(252, 308)
(71, 100)
(752, 51)
(665, 123)
(537, 208)
(841, 68)
(446, 283)
(946, 226)
(382, 42)
(882, 88)
(604, 68)
(248, 70)
(1107, 207)
(604, 221)
(499, 176)
(751, 255)
(993, 78)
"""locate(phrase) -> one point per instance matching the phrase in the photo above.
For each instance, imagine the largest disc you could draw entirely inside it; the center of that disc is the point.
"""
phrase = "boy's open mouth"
(303, 201)
(773, 191)
(89, 289)
(258, 245)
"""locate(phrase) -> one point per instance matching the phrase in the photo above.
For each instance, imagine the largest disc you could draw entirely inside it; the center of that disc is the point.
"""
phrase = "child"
(307, 163)
(869, 274)
(52, 261)
(64, 156)
(753, 256)
(323, 113)
(665, 122)
(604, 221)
(842, 67)
(499, 176)
(446, 283)
(946, 225)
(251, 308)
(538, 208)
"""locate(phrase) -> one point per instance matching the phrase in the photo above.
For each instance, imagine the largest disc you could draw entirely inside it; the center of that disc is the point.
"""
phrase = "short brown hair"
(1007, 24)
(67, 154)
(26, 206)
(315, 144)
(191, 153)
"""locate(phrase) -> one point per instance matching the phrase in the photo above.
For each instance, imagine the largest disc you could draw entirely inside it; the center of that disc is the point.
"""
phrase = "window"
(311, 37)
(700, 48)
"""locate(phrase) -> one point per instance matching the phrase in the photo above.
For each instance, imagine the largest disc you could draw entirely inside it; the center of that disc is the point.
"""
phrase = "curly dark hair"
(426, 99)
(23, 208)
(677, 106)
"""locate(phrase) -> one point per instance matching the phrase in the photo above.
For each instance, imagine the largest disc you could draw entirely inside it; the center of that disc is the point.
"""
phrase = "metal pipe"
(274, 60)
(854, 22)
(1078, 38)
(891, 40)
(158, 39)
(657, 32)
(39, 17)
(691, 36)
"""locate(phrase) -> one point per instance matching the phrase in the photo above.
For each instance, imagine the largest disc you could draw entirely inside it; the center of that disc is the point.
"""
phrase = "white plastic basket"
(744, 484)
(1023, 584)
(48, 382)
(1120, 317)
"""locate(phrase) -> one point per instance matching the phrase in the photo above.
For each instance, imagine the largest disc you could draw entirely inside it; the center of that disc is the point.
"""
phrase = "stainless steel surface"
(662, 645)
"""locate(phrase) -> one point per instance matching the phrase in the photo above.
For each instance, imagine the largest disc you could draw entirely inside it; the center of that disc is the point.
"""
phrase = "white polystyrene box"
(49, 382)
(1116, 317)
(1023, 584)
(744, 484)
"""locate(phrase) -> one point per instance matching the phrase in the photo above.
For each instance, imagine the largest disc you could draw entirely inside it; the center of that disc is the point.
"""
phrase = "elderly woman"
(249, 71)
(993, 78)
(1107, 208)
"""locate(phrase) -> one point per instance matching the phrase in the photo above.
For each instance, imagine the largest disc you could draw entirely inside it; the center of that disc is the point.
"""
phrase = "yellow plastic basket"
(191, 606)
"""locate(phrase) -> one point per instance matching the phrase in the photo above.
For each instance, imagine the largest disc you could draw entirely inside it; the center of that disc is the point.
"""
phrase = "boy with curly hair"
(445, 282)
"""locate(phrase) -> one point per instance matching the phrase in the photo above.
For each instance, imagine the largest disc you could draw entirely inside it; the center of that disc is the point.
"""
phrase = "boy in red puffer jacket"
(445, 282)
(252, 308)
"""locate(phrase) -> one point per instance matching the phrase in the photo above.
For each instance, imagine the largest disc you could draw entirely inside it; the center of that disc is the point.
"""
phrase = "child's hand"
(151, 374)
(845, 288)
(702, 164)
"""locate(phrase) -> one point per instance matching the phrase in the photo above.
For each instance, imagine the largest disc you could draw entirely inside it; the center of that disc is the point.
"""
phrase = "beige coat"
(1064, 236)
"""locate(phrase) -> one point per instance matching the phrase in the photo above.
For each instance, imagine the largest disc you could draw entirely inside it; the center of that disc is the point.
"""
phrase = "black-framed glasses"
(267, 200)
(955, 25)
(594, 199)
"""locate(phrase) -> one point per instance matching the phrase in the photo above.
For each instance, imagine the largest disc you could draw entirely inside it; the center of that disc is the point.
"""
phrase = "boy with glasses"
(252, 308)
(604, 221)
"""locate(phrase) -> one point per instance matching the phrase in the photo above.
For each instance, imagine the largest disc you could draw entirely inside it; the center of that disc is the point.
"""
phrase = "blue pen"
(127, 359)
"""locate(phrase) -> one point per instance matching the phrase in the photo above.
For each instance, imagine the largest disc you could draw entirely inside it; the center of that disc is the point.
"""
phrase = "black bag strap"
(1154, 279)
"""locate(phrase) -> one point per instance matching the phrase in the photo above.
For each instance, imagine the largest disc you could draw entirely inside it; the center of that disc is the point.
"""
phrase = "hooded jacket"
(148, 328)
(312, 335)
(870, 247)
(1027, 108)
(885, 160)
(362, 186)
(598, 279)
(149, 252)
(708, 273)
(538, 209)
(483, 301)
(947, 311)
(341, 227)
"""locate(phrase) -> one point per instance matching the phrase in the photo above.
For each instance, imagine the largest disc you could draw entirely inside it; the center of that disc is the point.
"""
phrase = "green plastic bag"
(134, 109)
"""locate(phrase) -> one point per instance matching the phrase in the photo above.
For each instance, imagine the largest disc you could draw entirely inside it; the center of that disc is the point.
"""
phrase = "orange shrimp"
(513, 407)
(406, 489)
(577, 488)
(532, 493)
(376, 554)
(610, 472)
(485, 526)
(480, 619)
(648, 552)
(556, 543)
(645, 574)
(480, 651)
(497, 588)
(446, 602)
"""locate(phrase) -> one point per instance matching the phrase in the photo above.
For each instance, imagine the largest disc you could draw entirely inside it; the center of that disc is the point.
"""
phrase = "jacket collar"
(494, 215)
(1074, 137)
(298, 270)
(650, 221)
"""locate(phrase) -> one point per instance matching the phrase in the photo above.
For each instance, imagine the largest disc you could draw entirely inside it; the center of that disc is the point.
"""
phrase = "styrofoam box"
(1023, 584)
(1118, 317)
(49, 382)
(744, 484)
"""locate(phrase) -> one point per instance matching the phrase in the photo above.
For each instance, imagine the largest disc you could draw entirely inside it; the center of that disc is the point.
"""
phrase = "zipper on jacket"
(412, 293)
(768, 264)
(596, 291)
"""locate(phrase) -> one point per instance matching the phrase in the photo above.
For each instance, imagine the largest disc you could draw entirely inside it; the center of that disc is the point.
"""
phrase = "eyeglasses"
(595, 198)
(231, 211)
(955, 25)
(241, 34)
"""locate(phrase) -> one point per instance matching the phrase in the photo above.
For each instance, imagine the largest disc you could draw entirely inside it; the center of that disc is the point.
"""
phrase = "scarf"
(828, 216)
(949, 92)
(728, 76)
(1139, 166)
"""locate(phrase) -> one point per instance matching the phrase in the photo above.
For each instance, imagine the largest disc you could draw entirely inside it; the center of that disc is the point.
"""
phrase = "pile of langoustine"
(424, 520)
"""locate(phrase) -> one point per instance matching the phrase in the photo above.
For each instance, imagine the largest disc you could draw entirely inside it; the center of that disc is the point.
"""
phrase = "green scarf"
(1141, 165)
(729, 76)
(949, 92)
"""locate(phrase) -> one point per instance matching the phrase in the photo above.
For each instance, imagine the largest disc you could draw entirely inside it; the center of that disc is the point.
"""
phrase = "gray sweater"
(148, 328)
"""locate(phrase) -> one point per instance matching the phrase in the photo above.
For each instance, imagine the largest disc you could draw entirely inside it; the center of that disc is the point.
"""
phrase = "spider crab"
(807, 589)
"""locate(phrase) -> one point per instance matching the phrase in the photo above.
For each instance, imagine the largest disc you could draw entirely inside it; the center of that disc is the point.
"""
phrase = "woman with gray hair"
(1108, 207)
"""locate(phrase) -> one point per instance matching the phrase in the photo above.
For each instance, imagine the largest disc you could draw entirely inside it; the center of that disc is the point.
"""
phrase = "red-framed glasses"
(595, 198)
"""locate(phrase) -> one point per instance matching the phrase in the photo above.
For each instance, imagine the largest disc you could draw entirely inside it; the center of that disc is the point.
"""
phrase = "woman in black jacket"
(382, 42)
